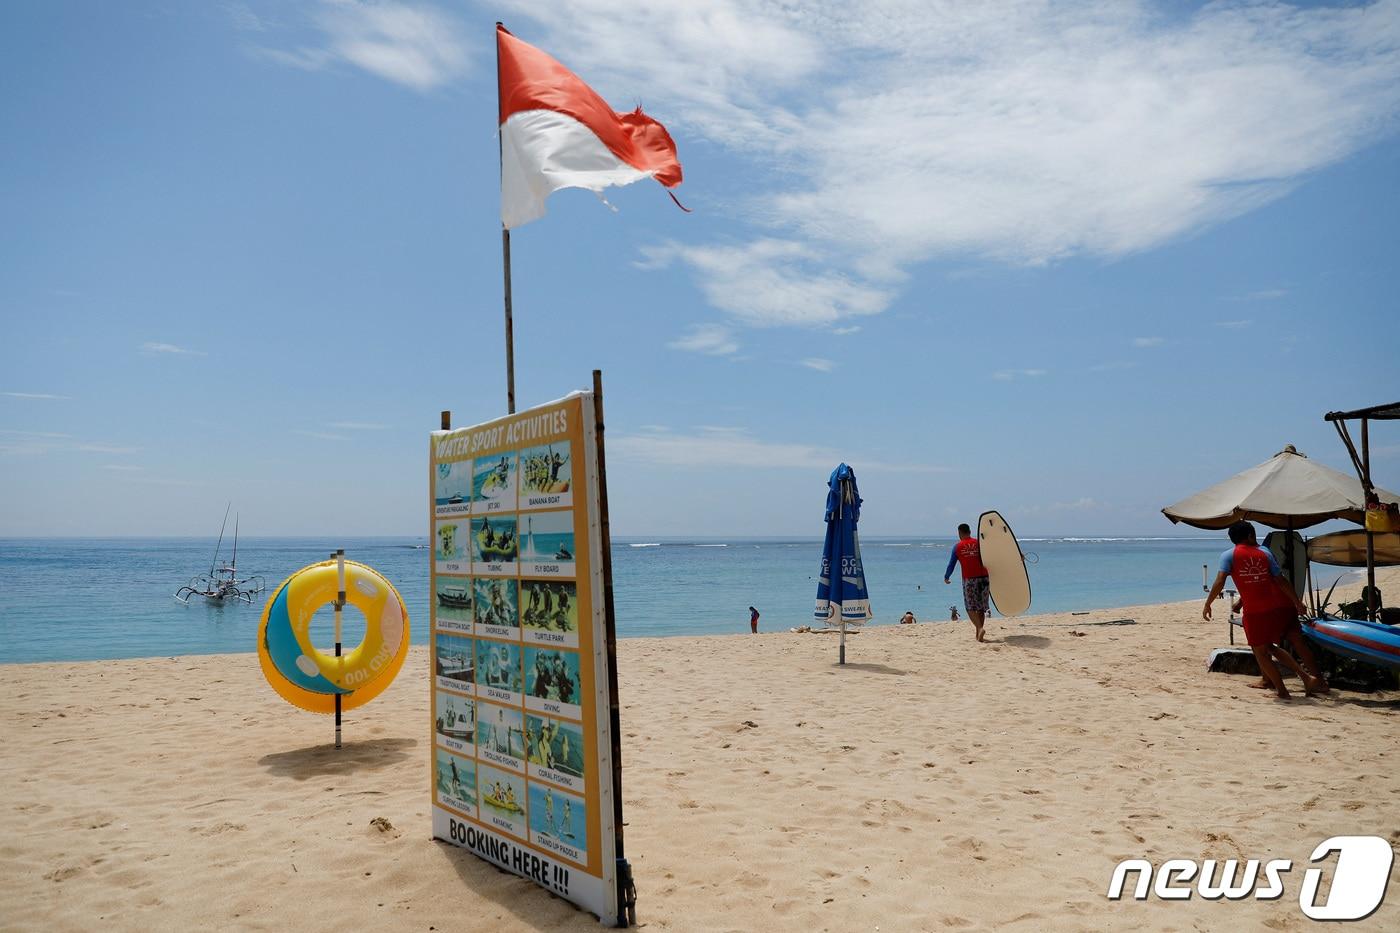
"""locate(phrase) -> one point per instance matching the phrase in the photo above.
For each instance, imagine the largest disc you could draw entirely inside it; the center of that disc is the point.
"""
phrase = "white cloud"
(886, 134)
(35, 395)
(99, 448)
(359, 426)
(162, 481)
(1234, 325)
(1148, 341)
(819, 364)
(42, 443)
(243, 18)
(1111, 366)
(844, 331)
(770, 282)
(417, 46)
(1007, 375)
(1082, 504)
(712, 339)
(715, 446)
(151, 347)
(1268, 294)
(322, 435)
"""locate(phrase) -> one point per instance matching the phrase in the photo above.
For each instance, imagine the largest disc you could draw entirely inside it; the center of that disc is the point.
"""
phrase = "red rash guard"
(1259, 591)
(969, 554)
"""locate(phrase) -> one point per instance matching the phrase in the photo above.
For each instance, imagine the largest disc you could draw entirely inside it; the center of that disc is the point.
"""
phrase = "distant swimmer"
(907, 618)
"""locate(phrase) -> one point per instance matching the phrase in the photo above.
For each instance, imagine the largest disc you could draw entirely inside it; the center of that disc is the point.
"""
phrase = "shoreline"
(419, 640)
(931, 782)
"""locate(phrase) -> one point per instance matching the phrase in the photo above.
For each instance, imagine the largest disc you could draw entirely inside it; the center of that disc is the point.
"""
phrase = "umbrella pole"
(843, 642)
(1371, 613)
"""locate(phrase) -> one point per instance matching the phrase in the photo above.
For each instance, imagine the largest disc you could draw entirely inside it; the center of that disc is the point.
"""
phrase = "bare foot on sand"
(1316, 686)
(1262, 684)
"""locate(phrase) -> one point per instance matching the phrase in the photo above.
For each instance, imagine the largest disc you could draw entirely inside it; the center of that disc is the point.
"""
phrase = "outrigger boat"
(221, 583)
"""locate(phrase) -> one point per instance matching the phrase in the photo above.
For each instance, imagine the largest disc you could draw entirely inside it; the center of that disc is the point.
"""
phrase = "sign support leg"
(339, 556)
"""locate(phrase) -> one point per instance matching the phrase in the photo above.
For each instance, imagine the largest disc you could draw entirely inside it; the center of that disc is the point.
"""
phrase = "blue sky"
(1069, 263)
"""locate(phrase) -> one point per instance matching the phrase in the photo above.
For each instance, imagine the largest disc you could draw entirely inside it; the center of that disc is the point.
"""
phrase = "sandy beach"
(933, 783)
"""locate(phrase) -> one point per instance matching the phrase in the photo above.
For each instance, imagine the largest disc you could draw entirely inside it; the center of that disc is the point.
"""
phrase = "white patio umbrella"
(1286, 491)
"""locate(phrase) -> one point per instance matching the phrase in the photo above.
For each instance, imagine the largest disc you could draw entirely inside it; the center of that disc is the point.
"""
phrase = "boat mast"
(215, 561)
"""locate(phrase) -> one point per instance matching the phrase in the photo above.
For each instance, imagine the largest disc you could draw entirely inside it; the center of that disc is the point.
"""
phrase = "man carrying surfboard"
(968, 554)
(1271, 610)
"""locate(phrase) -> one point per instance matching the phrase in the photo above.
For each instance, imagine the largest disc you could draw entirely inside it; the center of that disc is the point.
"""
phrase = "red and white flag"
(556, 132)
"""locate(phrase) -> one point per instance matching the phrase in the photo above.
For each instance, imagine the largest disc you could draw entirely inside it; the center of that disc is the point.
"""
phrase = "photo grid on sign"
(508, 733)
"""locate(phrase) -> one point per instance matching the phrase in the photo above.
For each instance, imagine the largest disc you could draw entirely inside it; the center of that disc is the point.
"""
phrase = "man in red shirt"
(1271, 610)
(976, 584)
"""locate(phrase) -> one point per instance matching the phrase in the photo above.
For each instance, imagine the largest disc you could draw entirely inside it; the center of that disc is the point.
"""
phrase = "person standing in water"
(976, 584)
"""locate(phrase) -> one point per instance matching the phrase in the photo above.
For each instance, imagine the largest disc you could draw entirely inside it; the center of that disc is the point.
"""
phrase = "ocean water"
(87, 599)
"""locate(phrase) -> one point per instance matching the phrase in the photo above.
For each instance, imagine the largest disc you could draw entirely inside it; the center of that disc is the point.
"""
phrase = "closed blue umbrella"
(842, 598)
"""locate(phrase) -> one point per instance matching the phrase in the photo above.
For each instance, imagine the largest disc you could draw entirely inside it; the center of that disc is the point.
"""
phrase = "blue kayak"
(1371, 642)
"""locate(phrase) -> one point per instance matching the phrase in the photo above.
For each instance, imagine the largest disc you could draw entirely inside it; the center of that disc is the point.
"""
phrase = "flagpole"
(505, 254)
(510, 326)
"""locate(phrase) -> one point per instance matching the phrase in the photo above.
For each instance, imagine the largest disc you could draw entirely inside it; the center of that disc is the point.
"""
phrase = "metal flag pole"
(339, 556)
(505, 256)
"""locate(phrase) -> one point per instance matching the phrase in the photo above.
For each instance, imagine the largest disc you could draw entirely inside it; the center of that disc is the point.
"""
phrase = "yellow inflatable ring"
(306, 677)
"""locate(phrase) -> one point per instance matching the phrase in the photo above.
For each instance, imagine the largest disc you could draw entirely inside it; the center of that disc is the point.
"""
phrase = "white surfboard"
(1006, 567)
(1277, 544)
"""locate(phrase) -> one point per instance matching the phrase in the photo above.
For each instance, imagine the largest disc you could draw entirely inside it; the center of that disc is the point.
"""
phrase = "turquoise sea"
(91, 598)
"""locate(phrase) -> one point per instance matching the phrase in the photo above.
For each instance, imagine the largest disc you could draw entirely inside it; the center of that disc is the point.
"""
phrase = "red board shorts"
(1268, 627)
(975, 593)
